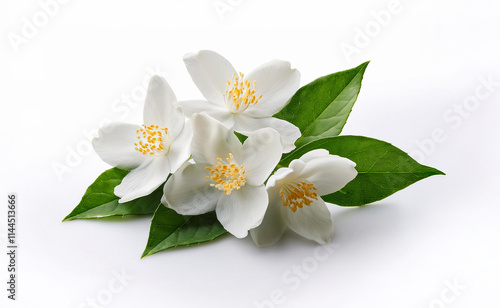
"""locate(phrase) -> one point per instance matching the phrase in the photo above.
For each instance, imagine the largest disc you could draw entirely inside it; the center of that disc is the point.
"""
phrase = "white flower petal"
(213, 109)
(188, 192)
(180, 149)
(314, 154)
(280, 174)
(313, 222)
(209, 71)
(242, 210)
(277, 83)
(329, 173)
(289, 133)
(159, 107)
(262, 152)
(273, 225)
(144, 179)
(299, 164)
(213, 140)
(115, 145)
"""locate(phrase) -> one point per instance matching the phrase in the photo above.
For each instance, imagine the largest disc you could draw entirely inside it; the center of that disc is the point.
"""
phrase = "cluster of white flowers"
(211, 170)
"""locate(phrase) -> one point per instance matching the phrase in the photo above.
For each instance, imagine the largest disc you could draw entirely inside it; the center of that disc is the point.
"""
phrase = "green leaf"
(382, 168)
(169, 229)
(100, 201)
(320, 109)
(241, 137)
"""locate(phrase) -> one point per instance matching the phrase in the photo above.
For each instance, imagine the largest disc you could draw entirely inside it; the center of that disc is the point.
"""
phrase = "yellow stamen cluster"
(150, 139)
(228, 175)
(302, 194)
(241, 92)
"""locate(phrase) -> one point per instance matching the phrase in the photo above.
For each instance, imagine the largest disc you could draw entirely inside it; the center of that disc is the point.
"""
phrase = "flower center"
(151, 139)
(240, 93)
(298, 195)
(227, 174)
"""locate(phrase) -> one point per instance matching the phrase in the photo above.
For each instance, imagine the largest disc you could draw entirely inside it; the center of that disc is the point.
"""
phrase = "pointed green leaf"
(169, 229)
(382, 168)
(241, 137)
(100, 201)
(320, 109)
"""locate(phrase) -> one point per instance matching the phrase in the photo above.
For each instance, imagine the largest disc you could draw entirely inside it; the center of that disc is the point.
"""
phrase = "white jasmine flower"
(227, 176)
(294, 197)
(151, 151)
(243, 102)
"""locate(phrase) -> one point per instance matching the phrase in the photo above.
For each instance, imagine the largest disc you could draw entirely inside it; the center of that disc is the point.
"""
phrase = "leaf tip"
(362, 67)
(435, 171)
(67, 218)
(439, 172)
(145, 253)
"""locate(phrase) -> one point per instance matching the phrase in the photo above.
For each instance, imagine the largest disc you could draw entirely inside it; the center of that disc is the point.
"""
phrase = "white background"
(88, 64)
